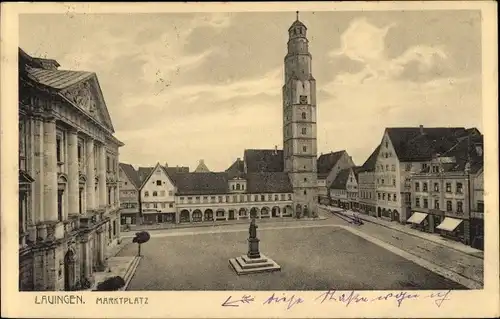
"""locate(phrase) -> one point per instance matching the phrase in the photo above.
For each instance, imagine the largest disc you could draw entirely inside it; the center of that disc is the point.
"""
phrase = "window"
(58, 149)
(227, 199)
(388, 197)
(480, 207)
(424, 187)
(155, 205)
(235, 198)
(383, 196)
(393, 167)
(303, 99)
(424, 166)
(393, 182)
(162, 193)
(220, 199)
(305, 192)
(417, 202)
(460, 207)
(378, 195)
(269, 197)
(146, 194)
(449, 208)
(394, 196)
(408, 167)
(146, 205)
(242, 187)
(448, 187)
(426, 203)
(459, 188)
(212, 199)
(305, 179)
(436, 204)
(163, 205)
(276, 198)
(282, 196)
(262, 198)
(436, 187)
(170, 193)
(435, 169)
(155, 193)
(238, 187)
(233, 187)
(304, 148)
(170, 205)
(387, 167)
(289, 196)
(304, 130)
(107, 164)
(383, 181)
(256, 198)
(304, 115)
(158, 183)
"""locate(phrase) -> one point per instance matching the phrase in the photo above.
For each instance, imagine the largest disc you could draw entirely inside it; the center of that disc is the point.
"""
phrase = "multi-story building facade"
(366, 185)
(344, 189)
(68, 180)
(329, 166)
(477, 209)
(299, 120)
(404, 152)
(443, 192)
(129, 194)
(157, 194)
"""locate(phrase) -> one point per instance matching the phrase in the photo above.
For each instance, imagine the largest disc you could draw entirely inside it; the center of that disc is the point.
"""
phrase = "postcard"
(250, 160)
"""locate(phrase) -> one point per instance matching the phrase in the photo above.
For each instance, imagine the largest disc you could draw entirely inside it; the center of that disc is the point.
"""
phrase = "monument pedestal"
(253, 261)
(245, 265)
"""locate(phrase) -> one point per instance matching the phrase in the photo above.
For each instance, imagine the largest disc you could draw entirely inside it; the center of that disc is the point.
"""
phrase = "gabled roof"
(45, 72)
(132, 174)
(466, 151)
(419, 143)
(341, 179)
(263, 160)
(326, 162)
(58, 79)
(237, 169)
(201, 183)
(202, 168)
(269, 182)
(144, 173)
(369, 165)
(176, 169)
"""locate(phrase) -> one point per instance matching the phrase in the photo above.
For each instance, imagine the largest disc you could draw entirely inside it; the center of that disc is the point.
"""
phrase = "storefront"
(420, 221)
(453, 228)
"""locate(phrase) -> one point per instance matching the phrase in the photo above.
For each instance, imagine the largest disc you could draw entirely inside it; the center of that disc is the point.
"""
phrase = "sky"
(181, 87)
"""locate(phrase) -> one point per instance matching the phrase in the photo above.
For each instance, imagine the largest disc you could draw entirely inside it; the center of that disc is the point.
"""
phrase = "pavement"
(457, 258)
(455, 261)
(410, 231)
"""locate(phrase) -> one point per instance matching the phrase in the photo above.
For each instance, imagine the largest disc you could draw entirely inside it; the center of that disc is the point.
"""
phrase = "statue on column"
(253, 229)
(253, 241)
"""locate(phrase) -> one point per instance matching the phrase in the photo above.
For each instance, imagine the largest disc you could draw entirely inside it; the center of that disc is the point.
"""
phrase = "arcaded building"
(68, 177)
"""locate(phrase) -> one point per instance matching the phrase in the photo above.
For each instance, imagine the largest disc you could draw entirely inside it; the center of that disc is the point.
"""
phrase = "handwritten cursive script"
(289, 301)
(353, 297)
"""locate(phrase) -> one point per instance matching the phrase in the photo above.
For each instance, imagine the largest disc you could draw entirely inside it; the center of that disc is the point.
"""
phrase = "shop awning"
(449, 224)
(417, 218)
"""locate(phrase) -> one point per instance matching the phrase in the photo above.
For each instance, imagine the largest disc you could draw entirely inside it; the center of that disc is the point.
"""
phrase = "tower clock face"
(303, 99)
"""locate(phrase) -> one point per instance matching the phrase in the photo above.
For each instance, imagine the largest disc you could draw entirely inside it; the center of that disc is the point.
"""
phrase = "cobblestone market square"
(323, 258)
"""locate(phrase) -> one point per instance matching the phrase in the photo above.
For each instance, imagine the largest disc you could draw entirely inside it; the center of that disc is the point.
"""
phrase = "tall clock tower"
(299, 120)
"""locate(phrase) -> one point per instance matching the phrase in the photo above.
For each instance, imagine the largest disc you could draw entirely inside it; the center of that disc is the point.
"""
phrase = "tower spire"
(297, 15)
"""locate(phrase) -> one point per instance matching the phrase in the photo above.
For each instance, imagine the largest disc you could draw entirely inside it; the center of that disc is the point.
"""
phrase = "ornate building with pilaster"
(299, 121)
(68, 177)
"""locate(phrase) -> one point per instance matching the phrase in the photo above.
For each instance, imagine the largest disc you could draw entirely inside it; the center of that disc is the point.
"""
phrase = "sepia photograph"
(338, 153)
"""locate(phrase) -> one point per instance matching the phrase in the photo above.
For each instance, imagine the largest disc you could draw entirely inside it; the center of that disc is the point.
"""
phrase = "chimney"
(421, 129)
(202, 162)
(166, 164)
(238, 159)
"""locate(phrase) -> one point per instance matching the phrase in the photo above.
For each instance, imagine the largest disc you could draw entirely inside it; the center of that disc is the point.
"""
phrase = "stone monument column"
(50, 169)
(73, 180)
